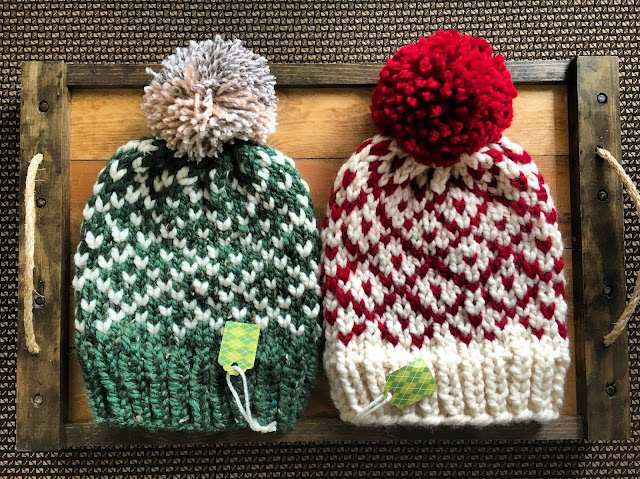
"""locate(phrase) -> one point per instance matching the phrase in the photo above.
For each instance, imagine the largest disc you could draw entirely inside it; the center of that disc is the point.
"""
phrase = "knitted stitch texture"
(169, 251)
(441, 242)
(461, 266)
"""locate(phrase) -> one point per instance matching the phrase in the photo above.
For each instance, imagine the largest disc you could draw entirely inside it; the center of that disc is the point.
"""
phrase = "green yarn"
(169, 251)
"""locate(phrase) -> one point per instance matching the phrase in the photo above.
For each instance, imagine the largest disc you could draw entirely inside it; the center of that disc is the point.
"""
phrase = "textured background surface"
(307, 32)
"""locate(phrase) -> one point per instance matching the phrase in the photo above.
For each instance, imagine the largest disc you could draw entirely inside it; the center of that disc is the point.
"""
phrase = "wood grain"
(41, 378)
(306, 74)
(603, 379)
(322, 429)
(312, 123)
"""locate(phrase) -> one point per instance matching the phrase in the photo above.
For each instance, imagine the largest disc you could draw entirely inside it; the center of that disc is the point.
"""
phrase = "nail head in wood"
(602, 98)
(39, 300)
(603, 195)
(599, 253)
(41, 203)
(611, 389)
(45, 373)
(607, 291)
(38, 400)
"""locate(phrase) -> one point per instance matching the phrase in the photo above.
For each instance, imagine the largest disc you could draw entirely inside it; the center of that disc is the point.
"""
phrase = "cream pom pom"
(211, 93)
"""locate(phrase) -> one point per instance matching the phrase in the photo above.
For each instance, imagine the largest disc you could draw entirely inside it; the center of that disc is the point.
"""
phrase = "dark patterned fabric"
(308, 32)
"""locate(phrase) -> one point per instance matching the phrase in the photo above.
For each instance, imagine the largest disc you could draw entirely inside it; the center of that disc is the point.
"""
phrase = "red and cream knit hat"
(441, 242)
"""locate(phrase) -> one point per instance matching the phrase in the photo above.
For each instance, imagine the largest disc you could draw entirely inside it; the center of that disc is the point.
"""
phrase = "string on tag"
(375, 404)
(29, 248)
(624, 318)
(246, 409)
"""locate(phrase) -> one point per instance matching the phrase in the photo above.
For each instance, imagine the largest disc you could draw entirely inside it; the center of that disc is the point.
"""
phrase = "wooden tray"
(77, 115)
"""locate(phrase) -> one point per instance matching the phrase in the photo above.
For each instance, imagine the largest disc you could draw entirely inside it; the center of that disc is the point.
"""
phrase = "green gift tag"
(239, 345)
(410, 383)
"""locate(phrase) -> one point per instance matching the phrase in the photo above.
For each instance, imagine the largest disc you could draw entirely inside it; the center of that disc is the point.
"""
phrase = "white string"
(246, 410)
(29, 248)
(375, 404)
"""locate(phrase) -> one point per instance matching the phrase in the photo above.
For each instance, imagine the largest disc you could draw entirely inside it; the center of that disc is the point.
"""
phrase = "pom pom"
(208, 94)
(443, 96)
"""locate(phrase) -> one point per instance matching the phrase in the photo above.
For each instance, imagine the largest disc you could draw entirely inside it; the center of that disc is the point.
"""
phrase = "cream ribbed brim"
(519, 379)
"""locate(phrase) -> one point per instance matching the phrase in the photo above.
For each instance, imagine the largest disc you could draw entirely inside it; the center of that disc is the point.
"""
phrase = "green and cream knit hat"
(187, 231)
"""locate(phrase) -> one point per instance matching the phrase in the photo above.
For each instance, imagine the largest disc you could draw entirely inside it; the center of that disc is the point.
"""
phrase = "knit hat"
(441, 243)
(189, 230)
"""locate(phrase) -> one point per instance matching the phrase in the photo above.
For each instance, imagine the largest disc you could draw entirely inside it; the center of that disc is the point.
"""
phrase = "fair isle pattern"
(170, 250)
(461, 266)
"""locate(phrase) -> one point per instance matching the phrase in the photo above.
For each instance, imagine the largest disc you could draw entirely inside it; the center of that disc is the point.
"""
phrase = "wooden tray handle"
(624, 318)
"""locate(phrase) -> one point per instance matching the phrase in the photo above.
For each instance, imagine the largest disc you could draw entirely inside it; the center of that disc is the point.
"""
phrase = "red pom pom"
(443, 96)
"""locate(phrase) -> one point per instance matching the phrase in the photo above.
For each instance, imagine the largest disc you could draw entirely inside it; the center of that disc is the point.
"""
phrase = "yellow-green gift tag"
(239, 346)
(410, 383)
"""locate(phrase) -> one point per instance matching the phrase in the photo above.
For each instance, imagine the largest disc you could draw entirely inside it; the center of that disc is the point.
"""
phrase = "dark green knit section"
(169, 251)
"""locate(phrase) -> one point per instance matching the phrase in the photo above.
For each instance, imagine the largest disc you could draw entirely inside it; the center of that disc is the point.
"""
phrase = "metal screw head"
(603, 195)
(611, 389)
(607, 290)
(602, 98)
(41, 203)
(37, 400)
(43, 106)
(39, 300)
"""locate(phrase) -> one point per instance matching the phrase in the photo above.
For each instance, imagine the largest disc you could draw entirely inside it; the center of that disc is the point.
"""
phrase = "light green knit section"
(169, 251)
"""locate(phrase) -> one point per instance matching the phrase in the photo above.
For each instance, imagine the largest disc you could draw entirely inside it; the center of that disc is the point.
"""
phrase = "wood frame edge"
(44, 126)
(602, 375)
(303, 74)
(323, 430)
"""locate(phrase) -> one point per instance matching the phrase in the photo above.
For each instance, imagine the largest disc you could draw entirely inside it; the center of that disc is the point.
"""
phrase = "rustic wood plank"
(304, 75)
(78, 409)
(322, 123)
(570, 403)
(321, 429)
(41, 379)
(312, 123)
(603, 378)
(538, 72)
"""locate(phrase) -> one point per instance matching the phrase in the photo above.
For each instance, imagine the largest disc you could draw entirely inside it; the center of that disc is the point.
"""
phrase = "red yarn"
(443, 96)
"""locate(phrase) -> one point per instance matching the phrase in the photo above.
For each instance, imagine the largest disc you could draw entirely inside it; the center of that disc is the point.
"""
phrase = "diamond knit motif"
(461, 266)
(170, 250)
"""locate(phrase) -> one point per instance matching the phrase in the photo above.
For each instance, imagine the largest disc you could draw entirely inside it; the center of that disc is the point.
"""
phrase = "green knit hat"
(189, 230)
